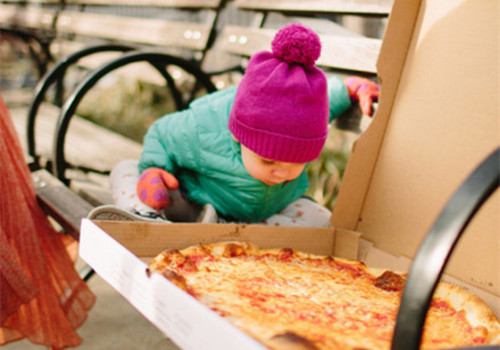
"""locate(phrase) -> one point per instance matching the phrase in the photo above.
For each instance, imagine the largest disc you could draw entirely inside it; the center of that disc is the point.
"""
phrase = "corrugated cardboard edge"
(390, 64)
(149, 239)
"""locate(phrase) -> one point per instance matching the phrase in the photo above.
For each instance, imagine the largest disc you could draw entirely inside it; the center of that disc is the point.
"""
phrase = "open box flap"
(437, 119)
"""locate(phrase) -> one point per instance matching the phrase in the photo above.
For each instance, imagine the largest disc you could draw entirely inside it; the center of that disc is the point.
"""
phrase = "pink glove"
(153, 186)
(364, 91)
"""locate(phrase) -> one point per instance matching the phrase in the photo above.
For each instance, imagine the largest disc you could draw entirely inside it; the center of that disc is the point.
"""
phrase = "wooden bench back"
(165, 26)
(342, 48)
(29, 14)
(32, 23)
(181, 28)
(362, 7)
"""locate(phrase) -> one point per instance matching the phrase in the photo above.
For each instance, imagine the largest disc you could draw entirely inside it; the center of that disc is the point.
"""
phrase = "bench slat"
(60, 203)
(371, 7)
(33, 1)
(141, 30)
(344, 52)
(159, 3)
(30, 17)
(87, 144)
(348, 53)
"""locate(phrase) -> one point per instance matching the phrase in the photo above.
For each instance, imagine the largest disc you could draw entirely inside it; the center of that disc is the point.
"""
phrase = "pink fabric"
(42, 297)
(281, 106)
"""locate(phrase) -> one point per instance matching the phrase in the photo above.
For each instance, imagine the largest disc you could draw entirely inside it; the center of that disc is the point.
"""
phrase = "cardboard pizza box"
(437, 119)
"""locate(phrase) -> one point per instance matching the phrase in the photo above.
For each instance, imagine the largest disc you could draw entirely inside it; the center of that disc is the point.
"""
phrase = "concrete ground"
(112, 324)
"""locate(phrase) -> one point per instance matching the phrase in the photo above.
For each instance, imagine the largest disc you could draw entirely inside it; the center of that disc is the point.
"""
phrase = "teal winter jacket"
(197, 147)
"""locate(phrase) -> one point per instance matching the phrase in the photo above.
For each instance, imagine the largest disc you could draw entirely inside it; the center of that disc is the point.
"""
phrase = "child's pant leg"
(123, 178)
(302, 212)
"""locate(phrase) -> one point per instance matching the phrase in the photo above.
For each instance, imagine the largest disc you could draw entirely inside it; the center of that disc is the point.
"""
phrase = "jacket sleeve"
(165, 143)
(338, 96)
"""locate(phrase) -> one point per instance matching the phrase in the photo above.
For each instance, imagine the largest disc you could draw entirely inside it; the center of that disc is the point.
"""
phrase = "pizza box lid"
(437, 120)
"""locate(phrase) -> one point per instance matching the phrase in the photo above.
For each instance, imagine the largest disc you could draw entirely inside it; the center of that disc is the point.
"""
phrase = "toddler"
(241, 153)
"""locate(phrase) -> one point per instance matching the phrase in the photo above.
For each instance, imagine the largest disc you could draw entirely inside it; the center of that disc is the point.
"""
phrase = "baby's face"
(270, 172)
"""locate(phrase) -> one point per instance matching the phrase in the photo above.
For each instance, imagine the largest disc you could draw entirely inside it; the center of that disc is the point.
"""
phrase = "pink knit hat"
(281, 106)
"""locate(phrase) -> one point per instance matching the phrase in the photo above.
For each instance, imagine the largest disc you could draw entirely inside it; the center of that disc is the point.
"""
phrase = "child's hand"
(153, 186)
(364, 91)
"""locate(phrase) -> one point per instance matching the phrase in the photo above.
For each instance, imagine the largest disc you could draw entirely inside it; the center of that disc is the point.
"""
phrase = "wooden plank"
(159, 3)
(359, 54)
(160, 32)
(30, 17)
(140, 70)
(343, 52)
(38, 18)
(17, 97)
(87, 144)
(245, 41)
(23, 2)
(60, 203)
(8, 14)
(92, 194)
(368, 7)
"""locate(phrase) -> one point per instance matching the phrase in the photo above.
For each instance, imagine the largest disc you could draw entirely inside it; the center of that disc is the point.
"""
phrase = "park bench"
(87, 29)
(169, 37)
(165, 42)
(168, 51)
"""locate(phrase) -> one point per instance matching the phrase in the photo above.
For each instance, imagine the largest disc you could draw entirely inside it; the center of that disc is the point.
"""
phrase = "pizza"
(288, 299)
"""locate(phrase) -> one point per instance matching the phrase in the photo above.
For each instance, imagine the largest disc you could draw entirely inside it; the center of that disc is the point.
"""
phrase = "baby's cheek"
(296, 173)
(256, 173)
(254, 170)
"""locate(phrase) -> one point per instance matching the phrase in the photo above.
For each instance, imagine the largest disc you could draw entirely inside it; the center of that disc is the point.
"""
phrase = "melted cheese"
(331, 302)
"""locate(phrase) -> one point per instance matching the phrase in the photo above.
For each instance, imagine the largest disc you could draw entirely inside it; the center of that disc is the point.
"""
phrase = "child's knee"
(309, 213)
(128, 167)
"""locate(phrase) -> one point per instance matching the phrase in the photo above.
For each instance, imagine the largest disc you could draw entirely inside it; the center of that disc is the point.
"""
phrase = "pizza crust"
(477, 312)
(291, 341)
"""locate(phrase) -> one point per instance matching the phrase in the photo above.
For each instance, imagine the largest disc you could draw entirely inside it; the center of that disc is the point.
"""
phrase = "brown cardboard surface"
(365, 152)
(149, 239)
(436, 122)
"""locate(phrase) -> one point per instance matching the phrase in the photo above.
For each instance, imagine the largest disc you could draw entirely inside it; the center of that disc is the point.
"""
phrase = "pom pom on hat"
(295, 43)
(281, 107)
